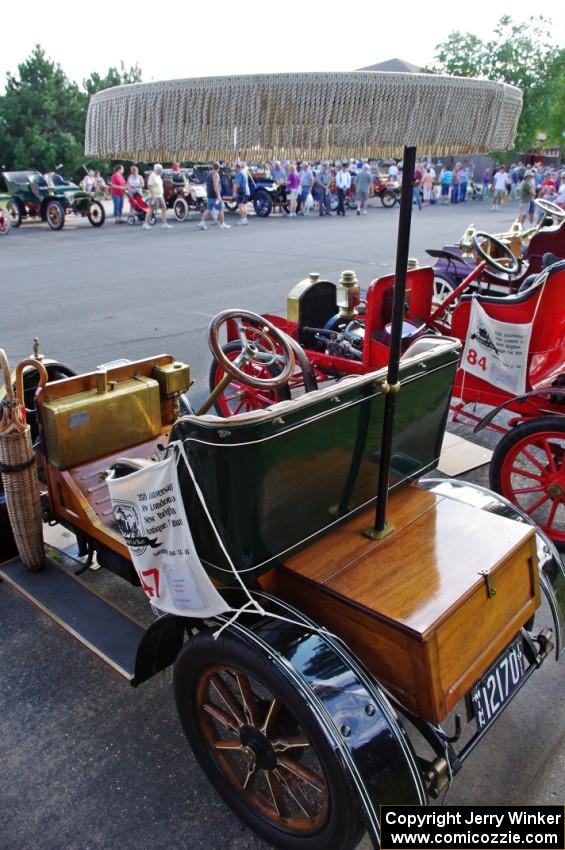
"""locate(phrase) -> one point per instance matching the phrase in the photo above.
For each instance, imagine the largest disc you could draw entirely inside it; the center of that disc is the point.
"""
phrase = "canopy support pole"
(380, 528)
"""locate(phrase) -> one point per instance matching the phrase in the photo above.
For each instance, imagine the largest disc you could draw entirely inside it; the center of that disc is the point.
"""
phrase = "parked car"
(183, 192)
(388, 191)
(264, 193)
(49, 198)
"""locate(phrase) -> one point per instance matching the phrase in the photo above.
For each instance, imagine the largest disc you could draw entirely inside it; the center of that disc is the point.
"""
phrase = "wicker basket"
(19, 475)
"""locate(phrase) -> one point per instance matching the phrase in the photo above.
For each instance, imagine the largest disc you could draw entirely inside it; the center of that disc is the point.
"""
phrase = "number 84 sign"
(497, 351)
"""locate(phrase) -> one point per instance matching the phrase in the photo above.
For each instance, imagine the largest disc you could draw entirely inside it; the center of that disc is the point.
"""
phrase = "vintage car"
(353, 337)
(455, 262)
(317, 598)
(387, 190)
(264, 193)
(49, 198)
(183, 192)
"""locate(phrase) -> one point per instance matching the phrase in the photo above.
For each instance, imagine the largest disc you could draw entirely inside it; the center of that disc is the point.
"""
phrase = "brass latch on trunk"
(491, 589)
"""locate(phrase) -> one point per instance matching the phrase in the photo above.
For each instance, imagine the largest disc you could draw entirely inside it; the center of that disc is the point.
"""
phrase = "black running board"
(103, 629)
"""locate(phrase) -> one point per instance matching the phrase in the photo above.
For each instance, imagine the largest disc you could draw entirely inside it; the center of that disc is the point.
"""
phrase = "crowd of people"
(526, 184)
(310, 188)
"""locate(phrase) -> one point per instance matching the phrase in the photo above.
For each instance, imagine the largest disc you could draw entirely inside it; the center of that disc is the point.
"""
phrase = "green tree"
(114, 77)
(556, 118)
(518, 53)
(43, 115)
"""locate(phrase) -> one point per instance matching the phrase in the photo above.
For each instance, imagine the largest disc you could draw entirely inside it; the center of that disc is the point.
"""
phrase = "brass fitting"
(348, 295)
(437, 776)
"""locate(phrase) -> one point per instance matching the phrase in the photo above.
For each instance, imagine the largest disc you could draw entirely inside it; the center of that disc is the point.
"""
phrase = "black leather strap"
(19, 467)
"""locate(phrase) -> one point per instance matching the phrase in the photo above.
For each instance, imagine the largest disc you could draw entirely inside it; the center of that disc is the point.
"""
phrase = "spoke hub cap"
(554, 487)
(258, 748)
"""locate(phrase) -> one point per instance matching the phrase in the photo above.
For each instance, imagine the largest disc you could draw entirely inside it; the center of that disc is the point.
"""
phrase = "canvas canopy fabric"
(305, 116)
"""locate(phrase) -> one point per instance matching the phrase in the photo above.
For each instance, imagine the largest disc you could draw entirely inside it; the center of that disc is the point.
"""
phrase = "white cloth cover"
(497, 351)
(150, 513)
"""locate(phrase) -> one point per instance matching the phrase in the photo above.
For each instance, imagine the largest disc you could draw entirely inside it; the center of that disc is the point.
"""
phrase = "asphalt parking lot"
(88, 763)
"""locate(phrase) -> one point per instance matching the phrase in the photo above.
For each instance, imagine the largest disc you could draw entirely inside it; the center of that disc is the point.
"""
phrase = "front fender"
(159, 647)
(352, 711)
(547, 391)
(552, 571)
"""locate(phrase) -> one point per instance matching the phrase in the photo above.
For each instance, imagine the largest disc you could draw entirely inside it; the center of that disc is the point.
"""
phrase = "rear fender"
(352, 711)
(552, 571)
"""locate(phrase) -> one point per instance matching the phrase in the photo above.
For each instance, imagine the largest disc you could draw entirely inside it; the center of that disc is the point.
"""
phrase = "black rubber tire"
(14, 207)
(99, 216)
(58, 210)
(279, 393)
(262, 203)
(351, 203)
(231, 206)
(180, 209)
(388, 198)
(344, 824)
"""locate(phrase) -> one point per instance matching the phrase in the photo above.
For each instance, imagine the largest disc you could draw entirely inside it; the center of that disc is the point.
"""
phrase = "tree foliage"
(518, 53)
(43, 114)
(114, 77)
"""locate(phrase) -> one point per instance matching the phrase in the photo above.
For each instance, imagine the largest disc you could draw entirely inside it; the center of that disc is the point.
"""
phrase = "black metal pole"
(399, 293)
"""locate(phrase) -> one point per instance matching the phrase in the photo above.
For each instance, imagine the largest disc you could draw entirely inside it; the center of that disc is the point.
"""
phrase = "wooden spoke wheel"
(262, 748)
(96, 214)
(528, 467)
(14, 208)
(55, 214)
(5, 222)
(239, 397)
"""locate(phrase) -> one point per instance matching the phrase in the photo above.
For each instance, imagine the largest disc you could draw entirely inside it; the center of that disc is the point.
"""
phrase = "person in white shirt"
(135, 185)
(499, 182)
(89, 183)
(343, 183)
(156, 197)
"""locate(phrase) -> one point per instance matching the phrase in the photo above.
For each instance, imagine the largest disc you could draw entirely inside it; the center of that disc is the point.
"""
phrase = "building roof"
(393, 65)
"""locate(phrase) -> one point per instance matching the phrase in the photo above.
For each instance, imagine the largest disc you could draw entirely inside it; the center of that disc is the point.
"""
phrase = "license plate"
(494, 690)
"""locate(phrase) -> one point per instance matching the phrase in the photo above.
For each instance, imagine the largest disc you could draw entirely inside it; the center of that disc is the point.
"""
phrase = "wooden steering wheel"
(261, 343)
(550, 208)
(513, 265)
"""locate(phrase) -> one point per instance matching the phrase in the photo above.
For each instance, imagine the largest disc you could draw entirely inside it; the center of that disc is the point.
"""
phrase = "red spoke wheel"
(261, 746)
(239, 397)
(528, 467)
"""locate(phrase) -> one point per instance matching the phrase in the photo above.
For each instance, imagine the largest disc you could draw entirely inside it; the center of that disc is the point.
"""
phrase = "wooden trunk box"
(414, 606)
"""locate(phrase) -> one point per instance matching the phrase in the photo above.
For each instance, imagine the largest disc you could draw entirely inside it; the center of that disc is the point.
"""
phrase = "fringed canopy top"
(305, 116)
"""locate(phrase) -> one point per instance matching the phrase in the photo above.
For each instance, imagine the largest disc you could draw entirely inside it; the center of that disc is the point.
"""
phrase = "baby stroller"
(138, 209)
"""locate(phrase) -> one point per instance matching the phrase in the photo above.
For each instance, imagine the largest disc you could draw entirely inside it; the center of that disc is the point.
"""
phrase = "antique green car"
(49, 198)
